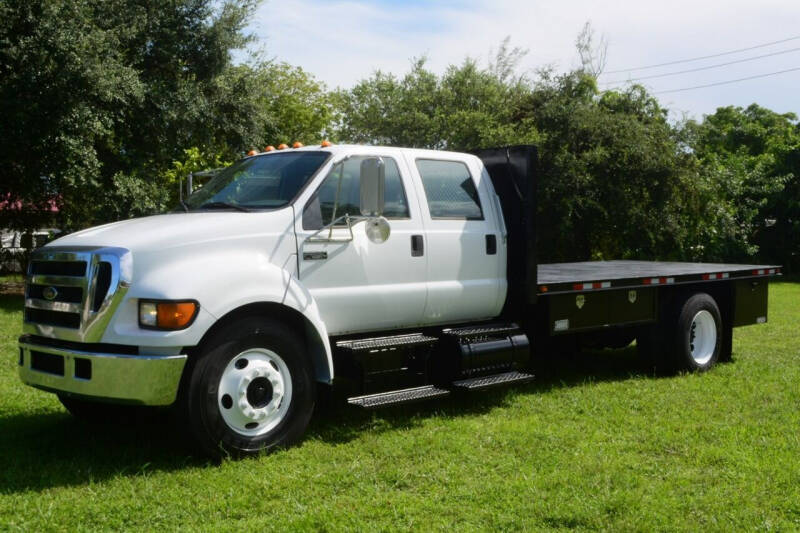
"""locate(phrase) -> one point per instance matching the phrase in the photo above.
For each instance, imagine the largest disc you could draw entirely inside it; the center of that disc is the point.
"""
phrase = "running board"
(485, 382)
(397, 397)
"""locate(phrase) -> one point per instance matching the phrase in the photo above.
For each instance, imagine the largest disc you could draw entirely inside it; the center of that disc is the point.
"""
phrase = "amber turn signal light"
(168, 315)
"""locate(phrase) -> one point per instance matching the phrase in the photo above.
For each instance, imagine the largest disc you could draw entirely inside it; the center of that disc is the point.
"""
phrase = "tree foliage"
(107, 105)
(98, 97)
(755, 153)
(464, 108)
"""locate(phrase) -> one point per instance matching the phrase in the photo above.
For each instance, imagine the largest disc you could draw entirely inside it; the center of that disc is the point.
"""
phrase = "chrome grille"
(71, 293)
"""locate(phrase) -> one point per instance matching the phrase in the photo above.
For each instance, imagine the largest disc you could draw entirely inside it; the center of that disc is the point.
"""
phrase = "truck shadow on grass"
(48, 449)
(337, 422)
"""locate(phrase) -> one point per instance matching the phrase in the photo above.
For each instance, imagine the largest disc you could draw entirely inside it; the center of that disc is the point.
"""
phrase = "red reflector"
(577, 287)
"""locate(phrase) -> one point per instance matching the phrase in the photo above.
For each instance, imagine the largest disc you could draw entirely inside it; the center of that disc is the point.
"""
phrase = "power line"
(703, 57)
(728, 81)
(702, 68)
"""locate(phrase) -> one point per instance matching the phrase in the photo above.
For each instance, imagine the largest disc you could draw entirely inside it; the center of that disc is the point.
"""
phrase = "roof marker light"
(251, 153)
(269, 148)
(326, 144)
(297, 144)
(282, 146)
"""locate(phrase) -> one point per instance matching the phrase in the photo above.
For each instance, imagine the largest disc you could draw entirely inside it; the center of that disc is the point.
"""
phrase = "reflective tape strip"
(590, 286)
(658, 281)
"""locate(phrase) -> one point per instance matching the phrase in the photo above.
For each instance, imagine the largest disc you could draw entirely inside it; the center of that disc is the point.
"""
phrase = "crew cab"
(396, 274)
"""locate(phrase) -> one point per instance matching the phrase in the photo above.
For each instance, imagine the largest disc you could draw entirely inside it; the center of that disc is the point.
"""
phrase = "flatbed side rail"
(651, 281)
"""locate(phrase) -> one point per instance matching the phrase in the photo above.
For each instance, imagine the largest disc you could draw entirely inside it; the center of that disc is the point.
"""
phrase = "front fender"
(221, 283)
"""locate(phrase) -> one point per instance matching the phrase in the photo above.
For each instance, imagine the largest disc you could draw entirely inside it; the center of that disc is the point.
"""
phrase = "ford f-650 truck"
(399, 274)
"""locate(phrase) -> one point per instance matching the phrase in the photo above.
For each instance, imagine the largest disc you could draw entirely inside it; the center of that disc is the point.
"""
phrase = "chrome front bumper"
(138, 379)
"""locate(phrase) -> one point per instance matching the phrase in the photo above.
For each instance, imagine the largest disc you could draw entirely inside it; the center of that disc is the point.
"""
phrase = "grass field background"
(591, 445)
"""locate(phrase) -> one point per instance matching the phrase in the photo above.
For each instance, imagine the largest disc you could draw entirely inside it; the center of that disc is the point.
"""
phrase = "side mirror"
(373, 186)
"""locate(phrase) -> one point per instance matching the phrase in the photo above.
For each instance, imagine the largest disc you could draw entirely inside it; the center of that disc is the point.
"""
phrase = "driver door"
(360, 285)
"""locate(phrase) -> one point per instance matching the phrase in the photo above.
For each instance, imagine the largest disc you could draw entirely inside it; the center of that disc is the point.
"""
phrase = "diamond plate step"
(383, 399)
(484, 330)
(386, 343)
(485, 382)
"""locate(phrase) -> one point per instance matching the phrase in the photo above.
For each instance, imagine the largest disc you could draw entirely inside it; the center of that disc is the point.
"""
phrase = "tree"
(591, 52)
(465, 108)
(755, 155)
(296, 107)
(99, 97)
(611, 175)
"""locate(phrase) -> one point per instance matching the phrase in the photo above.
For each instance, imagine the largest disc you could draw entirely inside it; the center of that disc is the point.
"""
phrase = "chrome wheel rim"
(703, 337)
(254, 392)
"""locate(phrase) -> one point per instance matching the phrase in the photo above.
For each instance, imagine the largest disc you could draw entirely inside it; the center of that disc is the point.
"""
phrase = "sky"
(343, 41)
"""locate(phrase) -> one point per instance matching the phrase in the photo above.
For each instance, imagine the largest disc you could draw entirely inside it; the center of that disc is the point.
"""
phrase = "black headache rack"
(609, 293)
(512, 170)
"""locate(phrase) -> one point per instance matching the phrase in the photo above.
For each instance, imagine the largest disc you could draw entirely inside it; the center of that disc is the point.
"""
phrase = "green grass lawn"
(592, 445)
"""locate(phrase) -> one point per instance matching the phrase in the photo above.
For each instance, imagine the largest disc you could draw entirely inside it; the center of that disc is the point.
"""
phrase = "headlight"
(167, 315)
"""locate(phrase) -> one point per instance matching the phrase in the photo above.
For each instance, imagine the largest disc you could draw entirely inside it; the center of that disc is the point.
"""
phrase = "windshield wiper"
(223, 205)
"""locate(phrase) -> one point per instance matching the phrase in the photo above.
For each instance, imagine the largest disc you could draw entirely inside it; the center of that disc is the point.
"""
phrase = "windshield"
(265, 182)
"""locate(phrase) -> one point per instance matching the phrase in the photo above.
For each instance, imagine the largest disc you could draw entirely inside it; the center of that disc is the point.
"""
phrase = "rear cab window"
(449, 189)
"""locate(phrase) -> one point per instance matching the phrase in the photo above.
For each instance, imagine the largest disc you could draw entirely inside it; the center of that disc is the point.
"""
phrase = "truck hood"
(176, 230)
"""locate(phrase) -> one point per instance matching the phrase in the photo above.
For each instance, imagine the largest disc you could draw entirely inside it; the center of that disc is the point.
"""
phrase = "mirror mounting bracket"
(315, 237)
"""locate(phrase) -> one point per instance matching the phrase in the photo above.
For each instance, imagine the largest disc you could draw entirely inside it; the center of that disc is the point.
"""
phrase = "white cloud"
(343, 41)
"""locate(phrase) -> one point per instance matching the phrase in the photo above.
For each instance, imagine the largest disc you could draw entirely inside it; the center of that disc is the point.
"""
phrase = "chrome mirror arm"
(314, 237)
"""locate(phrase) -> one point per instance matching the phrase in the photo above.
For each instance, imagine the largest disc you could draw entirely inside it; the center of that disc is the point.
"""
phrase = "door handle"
(417, 246)
(491, 244)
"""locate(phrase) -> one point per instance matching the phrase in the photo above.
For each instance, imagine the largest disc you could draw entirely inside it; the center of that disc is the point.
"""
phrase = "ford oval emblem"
(50, 293)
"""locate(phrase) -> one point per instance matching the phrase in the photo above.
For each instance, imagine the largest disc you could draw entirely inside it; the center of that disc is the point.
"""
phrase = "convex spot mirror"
(373, 186)
(377, 229)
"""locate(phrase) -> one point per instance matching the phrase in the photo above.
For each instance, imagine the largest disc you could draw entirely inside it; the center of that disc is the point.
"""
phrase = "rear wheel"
(690, 337)
(250, 390)
(698, 334)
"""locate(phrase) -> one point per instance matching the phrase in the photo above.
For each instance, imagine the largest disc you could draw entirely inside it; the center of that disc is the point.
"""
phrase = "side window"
(450, 190)
(340, 194)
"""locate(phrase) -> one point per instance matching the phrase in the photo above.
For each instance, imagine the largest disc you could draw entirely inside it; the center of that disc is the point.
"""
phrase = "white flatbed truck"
(397, 274)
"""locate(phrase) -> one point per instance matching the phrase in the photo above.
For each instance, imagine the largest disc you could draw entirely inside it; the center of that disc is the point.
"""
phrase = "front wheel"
(250, 390)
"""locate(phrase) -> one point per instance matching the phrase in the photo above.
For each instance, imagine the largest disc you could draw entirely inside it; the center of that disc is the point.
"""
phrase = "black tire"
(102, 413)
(202, 407)
(688, 334)
(666, 347)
